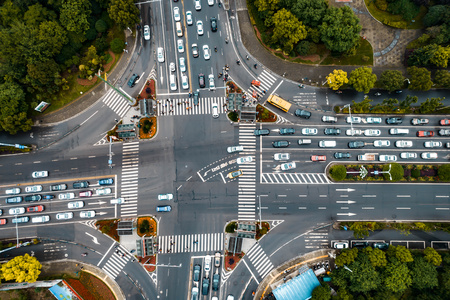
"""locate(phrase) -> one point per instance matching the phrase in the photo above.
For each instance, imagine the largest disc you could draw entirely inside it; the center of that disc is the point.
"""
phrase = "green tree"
(440, 57)
(422, 56)
(442, 77)
(406, 104)
(13, 115)
(124, 12)
(9, 13)
(339, 277)
(389, 104)
(340, 29)
(430, 105)
(444, 172)
(396, 172)
(267, 5)
(401, 253)
(117, 45)
(288, 30)
(338, 172)
(337, 79)
(362, 79)
(302, 48)
(101, 26)
(321, 292)
(376, 257)
(406, 8)
(347, 256)
(361, 229)
(44, 77)
(391, 80)
(74, 15)
(420, 79)
(424, 275)
(396, 277)
(435, 15)
(52, 35)
(361, 107)
(310, 12)
(37, 14)
(363, 278)
(22, 269)
(431, 255)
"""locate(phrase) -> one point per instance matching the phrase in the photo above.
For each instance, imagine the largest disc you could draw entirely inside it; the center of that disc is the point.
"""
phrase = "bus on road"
(280, 103)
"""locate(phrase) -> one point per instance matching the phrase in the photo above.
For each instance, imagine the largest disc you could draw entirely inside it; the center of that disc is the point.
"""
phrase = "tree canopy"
(391, 80)
(124, 12)
(21, 269)
(420, 79)
(288, 30)
(362, 79)
(337, 79)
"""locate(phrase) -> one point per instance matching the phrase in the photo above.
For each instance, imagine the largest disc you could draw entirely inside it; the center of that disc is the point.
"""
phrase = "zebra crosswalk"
(204, 242)
(186, 107)
(116, 262)
(305, 99)
(119, 104)
(129, 185)
(247, 181)
(266, 79)
(260, 261)
(295, 178)
(317, 239)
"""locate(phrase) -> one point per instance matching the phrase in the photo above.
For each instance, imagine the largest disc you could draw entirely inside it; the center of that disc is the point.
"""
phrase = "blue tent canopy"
(298, 288)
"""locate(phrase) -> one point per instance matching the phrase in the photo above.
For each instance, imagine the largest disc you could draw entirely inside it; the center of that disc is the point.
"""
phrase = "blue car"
(106, 181)
(49, 197)
(163, 208)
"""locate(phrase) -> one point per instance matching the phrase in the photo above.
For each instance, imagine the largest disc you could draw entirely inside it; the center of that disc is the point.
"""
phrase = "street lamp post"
(350, 113)
(110, 153)
(260, 222)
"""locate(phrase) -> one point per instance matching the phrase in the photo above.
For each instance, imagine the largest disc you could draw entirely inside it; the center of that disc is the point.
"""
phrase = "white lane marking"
(403, 196)
(404, 208)
(368, 207)
(369, 196)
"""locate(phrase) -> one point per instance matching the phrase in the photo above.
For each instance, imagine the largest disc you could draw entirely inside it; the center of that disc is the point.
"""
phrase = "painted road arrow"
(346, 214)
(94, 239)
(99, 202)
(345, 190)
(346, 202)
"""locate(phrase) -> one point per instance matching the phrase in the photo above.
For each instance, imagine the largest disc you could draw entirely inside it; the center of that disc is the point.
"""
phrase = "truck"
(366, 156)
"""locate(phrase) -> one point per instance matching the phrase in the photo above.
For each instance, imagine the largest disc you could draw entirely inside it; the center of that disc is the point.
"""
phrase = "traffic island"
(109, 227)
(147, 127)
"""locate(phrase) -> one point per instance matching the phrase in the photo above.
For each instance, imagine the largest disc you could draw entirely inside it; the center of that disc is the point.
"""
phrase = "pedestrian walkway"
(205, 242)
(305, 98)
(267, 80)
(116, 262)
(317, 239)
(117, 102)
(295, 178)
(186, 107)
(247, 181)
(129, 178)
(259, 260)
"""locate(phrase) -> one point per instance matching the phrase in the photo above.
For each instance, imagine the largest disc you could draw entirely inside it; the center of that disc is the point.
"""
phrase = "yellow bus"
(280, 103)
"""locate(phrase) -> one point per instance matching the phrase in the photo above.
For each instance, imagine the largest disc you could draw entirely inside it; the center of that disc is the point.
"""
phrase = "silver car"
(33, 188)
(75, 204)
(281, 156)
(17, 210)
(64, 216)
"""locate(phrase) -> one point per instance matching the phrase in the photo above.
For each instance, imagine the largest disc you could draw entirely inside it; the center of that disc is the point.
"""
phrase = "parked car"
(354, 120)
(106, 181)
(318, 157)
(197, 272)
(340, 155)
(286, 131)
(309, 131)
(329, 119)
(205, 286)
(381, 143)
(215, 282)
(340, 245)
(373, 120)
(394, 120)
(417, 121)
(288, 166)
(280, 144)
(332, 131)
(263, 131)
(425, 133)
(201, 80)
(381, 245)
(429, 155)
(281, 156)
(207, 263)
(360, 245)
(302, 113)
(217, 259)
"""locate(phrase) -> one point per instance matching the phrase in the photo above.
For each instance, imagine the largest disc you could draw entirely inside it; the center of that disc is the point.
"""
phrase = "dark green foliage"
(91, 34)
(406, 104)
(430, 105)
(392, 80)
(406, 8)
(442, 77)
(147, 126)
(101, 26)
(422, 56)
(302, 48)
(234, 116)
(231, 227)
(415, 173)
(363, 278)
(117, 45)
(101, 44)
(424, 274)
(435, 15)
(420, 79)
(338, 172)
(444, 172)
(322, 292)
(397, 172)
(145, 226)
(310, 12)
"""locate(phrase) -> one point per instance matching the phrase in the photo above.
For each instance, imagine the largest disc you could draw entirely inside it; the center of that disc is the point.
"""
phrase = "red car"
(424, 133)
(3, 221)
(256, 82)
(445, 122)
(86, 194)
(37, 208)
(318, 158)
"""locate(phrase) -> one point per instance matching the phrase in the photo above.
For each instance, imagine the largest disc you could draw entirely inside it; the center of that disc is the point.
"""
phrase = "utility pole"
(110, 153)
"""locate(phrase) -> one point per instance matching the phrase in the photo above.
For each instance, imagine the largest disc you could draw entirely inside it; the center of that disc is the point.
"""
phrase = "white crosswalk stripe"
(260, 261)
(116, 102)
(305, 99)
(247, 181)
(295, 178)
(317, 239)
(116, 262)
(266, 79)
(129, 178)
(204, 106)
(204, 242)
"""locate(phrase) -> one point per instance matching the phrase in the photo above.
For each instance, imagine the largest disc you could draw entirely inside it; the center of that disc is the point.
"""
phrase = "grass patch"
(264, 115)
(363, 57)
(109, 227)
(91, 287)
(233, 116)
(260, 232)
(396, 21)
(231, 260)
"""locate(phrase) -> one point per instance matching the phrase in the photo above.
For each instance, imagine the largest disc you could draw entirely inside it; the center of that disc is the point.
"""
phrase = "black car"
(356, 144)
(197, 270)
(280, 144)
(33, 198)
(133, 79)
(259, 132)
(80, 184)
(201, 80)
(58, 187)
(360, 245)
(286, 131)
(394, 120)
(213, 24)
(332, 131)
(339, 155)
(215, 282)
(205, 286)
(302, 113)
(196, 95)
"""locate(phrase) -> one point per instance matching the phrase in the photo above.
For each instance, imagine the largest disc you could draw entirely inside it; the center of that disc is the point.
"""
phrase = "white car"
(288, 166)
(403, 144)
(408, 155)
(388, 157)
(17, 210)
(33, 188)
(207, 263)
(353, 132)
(176, 14)
(206, 52)
(198, 5)
(117, 201)
(210, 2)
(87, 214)
(429, 155)
(215, 111)
(235, 149)
(182, 64)
(329, 119)
(281, 156)
(103, 191)
(39, 174)
(161, 54)
(180, 46)
(309, 131)
(189, 19)
(64, 216)
(212, 85)
(172, 67)
(66, 196)
(146, 32)
(199, 27)
(340, 245)
(162, 197)
(432, 144)
(372, 132)
(75, 204)
(184, 82)
(354, 120)
(381, 143)
(373, 120)
(244, 160)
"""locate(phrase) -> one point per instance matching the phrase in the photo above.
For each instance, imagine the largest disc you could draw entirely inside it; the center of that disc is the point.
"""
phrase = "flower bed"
(152, 131)
(108, 227)
(90, 287)
(260, 232)
(149, 260)
(265, 115)
(151, 226)
(231, 260)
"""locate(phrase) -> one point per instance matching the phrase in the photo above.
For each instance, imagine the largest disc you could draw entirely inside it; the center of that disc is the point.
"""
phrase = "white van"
(40, 219)
(178, 28)
(327, 144)
(398, 131)
(173, 82)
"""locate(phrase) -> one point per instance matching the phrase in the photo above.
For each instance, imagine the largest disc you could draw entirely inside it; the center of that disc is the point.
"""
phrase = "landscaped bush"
(147, 126)
(338, 172)
(117, 45)
(397, 172)
(145, 226)
(444, 172)
(415, 173)
(231, 227)
(233, 116)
